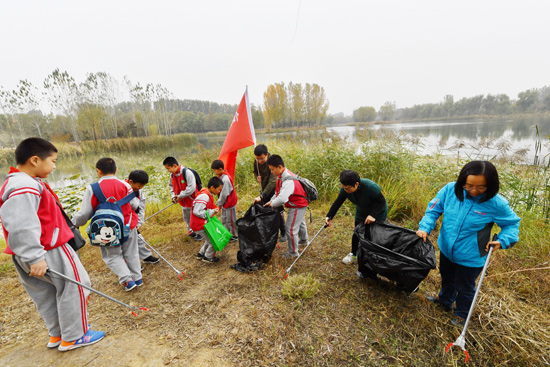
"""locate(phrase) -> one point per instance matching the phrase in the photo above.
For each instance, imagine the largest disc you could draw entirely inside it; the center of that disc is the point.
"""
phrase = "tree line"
(102, 107)
(534, 100)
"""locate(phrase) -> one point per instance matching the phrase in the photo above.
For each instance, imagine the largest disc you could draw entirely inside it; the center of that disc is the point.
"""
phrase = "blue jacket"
(467, 224)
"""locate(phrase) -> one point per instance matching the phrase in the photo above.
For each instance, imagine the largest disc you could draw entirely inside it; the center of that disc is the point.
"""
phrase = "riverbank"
(219, 317)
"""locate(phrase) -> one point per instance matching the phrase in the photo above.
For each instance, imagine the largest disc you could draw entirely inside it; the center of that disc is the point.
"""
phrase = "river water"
(471, 139)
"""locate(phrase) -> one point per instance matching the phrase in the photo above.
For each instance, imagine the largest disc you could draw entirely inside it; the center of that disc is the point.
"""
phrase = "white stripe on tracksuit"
(60, 303)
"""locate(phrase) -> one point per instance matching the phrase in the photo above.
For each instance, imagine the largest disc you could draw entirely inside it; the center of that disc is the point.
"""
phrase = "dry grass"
(217, 316)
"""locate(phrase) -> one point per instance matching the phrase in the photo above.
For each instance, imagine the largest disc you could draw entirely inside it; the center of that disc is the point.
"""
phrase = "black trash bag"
(395, 253)
(258, 235)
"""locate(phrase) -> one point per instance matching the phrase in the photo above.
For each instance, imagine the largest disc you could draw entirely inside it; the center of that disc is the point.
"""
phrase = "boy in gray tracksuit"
(183, 190)
(123, 260)
(291, 194)
(36, 234)
(227, 200)
(137, 180)
(204, 202)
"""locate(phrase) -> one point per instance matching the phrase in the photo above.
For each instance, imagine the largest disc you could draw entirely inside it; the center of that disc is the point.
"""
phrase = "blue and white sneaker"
(139, 283)
(91, 337)
(129, 285)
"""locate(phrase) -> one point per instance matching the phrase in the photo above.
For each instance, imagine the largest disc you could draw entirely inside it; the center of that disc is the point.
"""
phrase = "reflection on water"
(475, 139)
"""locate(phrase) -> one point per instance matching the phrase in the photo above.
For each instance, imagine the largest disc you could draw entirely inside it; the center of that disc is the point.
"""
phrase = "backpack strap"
(98, 193)
(184, 174)
(125, 200)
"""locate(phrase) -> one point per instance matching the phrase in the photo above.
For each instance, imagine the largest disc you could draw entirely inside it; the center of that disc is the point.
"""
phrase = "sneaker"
(436, 301)
(91, 337)
(129, 285)
(283, 238)
(289, 255)
(363, 276)
(139, 283)
(199, 256)
(233, 239)
(302, 242)
(151, 260)
(350, 258)
(197, 237)
(458, 321)
(212, 259)
(54, 341)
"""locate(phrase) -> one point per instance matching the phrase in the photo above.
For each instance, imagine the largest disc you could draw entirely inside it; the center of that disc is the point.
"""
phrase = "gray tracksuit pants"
(295, 228)
(60, 303)
(207, 250)
(123, 260)
(143, 251)
(187, 217)
(229, 219)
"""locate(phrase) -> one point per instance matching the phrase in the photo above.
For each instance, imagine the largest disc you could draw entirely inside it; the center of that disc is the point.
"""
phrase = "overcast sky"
(362, 52)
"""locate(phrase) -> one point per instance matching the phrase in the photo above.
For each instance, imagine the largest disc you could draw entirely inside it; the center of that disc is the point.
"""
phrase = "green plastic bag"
(218, 235)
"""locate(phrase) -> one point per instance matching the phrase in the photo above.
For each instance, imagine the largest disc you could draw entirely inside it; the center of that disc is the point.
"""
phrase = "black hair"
(139, 176)
(275, 160)
(260, 149)
(170, 161)
(217, 164)
(349, 177)
(106, 165)
(33, 147)
(477, 168)
(215, 181)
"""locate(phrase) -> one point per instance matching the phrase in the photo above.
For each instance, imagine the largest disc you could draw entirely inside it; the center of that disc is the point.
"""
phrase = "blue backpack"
(107, 227)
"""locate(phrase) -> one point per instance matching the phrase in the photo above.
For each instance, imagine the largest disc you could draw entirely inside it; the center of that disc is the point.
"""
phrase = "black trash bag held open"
(396, 253)
(258, 235)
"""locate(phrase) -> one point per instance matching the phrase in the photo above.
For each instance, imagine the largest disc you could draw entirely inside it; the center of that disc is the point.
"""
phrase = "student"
(36, 234)
(123, 260)
(292, 195)
(470, 207)
(183, 189)
(267, 181)
(203, 202)
(137, 180)
(227, 200)
(370, 205)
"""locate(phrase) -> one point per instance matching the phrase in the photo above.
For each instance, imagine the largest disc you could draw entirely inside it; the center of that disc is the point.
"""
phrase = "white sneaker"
(350, 258)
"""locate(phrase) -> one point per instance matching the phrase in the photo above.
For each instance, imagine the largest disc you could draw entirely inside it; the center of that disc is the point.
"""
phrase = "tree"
(387, 111)
(296, 103)
(364, 114)
(316, 104)
(275, 105)
(64, 96)
(527, 99)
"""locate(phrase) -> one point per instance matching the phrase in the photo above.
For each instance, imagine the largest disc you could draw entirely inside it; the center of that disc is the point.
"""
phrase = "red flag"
(240, 135)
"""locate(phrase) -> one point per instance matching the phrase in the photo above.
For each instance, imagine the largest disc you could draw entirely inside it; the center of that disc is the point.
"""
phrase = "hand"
(216, 210)
(422, 234)
(496, 245)
(138, 227)
(328, 221)
(259, 179)
(369, 220)
(174, 199)
(257, 199)
(267, 204)
(39, 269)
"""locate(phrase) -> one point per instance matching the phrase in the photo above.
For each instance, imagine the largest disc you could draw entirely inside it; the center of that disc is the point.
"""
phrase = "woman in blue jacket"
(471, 206)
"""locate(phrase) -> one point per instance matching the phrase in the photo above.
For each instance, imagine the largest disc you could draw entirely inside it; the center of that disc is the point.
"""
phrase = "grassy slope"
(245, 319)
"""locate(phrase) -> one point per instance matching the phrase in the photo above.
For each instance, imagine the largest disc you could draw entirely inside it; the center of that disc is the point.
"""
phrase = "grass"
(322, 314)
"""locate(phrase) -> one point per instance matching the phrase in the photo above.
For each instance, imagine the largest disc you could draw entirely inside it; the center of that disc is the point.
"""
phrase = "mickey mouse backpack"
(107, 227)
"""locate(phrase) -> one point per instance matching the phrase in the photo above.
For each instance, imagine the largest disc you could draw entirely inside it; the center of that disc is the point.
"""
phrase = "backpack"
(308, 186)
(107, 227)
(198, 181)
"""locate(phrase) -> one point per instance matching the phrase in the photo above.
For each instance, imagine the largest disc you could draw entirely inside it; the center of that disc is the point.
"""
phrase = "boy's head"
(171, 164)
(349, 180)
(218, 167)
(105, 166)
(36, 157)
(215, 185)
(276, 164)
(261, 153)
(138, 179)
